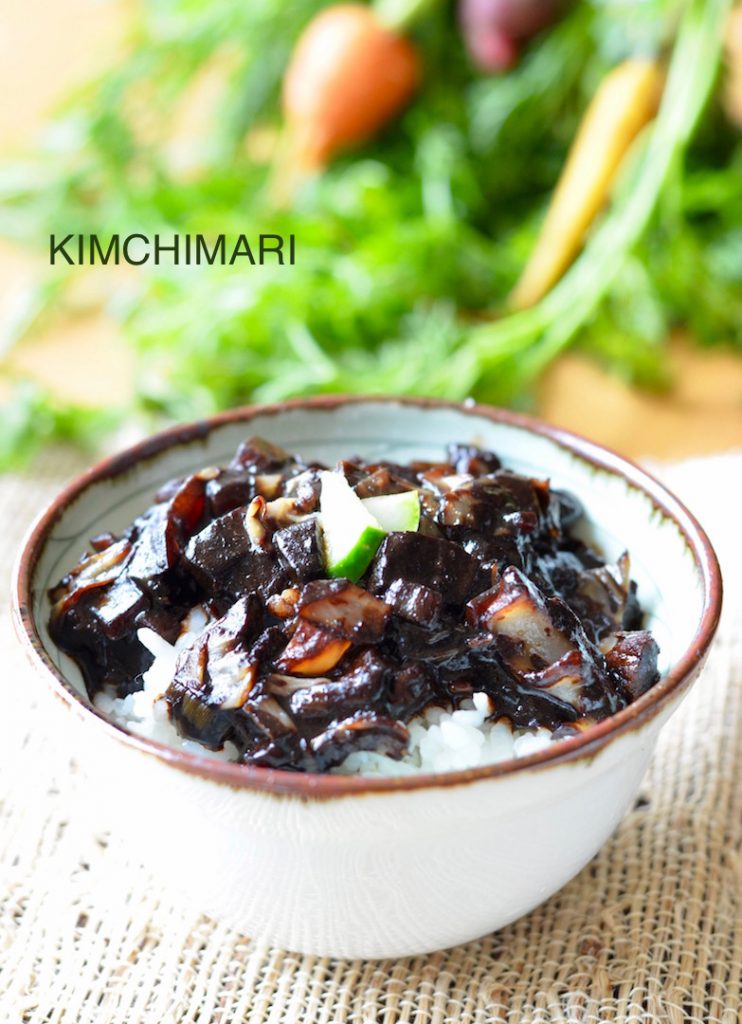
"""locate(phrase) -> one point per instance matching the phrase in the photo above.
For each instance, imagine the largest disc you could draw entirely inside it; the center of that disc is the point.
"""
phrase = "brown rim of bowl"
(309, 785)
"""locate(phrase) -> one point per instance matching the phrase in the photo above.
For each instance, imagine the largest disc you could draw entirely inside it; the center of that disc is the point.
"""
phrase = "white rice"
(440, 741)
(145, 712)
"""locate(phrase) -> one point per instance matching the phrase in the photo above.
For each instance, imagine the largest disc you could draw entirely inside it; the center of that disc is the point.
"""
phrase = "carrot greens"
(407, 247)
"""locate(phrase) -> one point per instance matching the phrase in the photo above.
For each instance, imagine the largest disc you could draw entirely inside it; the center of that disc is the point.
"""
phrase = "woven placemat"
(651, 930)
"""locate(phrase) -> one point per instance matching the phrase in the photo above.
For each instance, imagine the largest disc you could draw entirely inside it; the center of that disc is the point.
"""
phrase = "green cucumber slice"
(351, 534)
(395, 513)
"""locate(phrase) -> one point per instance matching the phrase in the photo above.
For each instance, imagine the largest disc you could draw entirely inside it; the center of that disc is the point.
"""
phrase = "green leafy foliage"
(33, 418)
(406, 249)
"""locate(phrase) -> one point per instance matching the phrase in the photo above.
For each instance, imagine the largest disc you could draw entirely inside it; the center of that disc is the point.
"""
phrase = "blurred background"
(535, 203)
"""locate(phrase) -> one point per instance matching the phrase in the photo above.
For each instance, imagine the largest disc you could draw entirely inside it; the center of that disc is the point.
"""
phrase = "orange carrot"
(348, 76)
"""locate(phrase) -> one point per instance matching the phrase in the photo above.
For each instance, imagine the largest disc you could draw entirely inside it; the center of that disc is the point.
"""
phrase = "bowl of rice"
(388, 832)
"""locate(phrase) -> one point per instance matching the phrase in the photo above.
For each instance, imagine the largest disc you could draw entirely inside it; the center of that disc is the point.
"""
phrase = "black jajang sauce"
(492, 593)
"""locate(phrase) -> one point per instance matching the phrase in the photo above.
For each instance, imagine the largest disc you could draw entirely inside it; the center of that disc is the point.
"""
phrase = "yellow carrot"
(626, 100)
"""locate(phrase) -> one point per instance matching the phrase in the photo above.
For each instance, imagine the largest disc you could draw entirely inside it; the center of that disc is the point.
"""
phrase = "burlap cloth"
(651, 930)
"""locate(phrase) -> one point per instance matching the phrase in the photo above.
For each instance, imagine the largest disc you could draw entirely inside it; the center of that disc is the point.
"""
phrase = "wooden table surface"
(47, 47)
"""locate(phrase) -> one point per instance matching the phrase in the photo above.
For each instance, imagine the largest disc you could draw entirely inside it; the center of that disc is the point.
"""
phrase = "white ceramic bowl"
(356, 867)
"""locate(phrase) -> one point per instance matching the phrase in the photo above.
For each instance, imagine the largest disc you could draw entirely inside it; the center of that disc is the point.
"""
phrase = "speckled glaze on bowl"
(354, 867)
